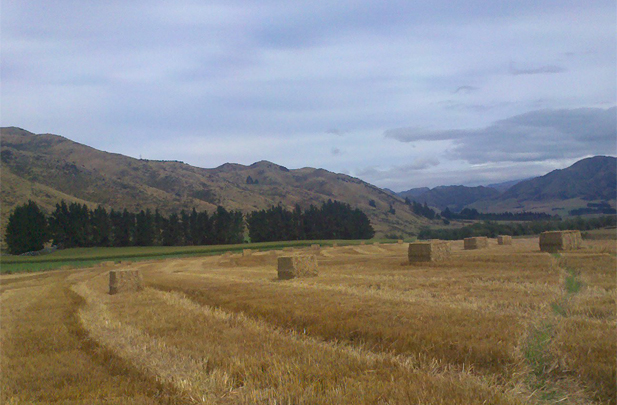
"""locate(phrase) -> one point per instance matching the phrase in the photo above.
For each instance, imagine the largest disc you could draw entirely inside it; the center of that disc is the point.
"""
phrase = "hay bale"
(316, 247)
(297, 266)
(288, 249)
(376, 243)
(400, 241)
(335, 245)
(432, 251)
(555, 241)
(125, 281)
(504, 239)
(247, 252)
(479, 242)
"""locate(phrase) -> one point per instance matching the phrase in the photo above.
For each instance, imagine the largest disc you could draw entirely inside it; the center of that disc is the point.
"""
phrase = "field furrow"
(219, 357)
(462, 336)
(47, 358)
(503, 325)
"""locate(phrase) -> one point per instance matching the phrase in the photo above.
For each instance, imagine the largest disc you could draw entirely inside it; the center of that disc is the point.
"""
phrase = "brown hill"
(588, 181)
(47, 168)
(453, 197)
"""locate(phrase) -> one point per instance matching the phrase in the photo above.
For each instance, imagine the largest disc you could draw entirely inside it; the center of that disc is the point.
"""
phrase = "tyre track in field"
(497, 359)
(218, 384)
(543, 372)
(151, 357)
(411, 297)
(47, 357)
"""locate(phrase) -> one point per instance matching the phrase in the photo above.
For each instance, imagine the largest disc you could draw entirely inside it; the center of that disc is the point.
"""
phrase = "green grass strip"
(87, 257)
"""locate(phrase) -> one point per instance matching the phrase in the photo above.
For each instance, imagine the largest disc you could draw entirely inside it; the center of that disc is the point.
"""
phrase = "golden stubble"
(370, 329)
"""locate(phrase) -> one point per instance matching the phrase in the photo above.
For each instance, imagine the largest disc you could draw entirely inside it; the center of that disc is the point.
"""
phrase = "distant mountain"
(47, 168)
(392, 192)
(587, 181)
(502, 187)
(414, 192)
(453, 197)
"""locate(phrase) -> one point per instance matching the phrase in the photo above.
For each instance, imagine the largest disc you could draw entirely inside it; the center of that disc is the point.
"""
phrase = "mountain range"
(453, 197)
(589, 181)
(48, 168)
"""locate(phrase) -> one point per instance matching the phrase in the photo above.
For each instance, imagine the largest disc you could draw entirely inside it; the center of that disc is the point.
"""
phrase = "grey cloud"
(534, 71)
(399, 178)
(473, 107)
(336, 151)
(335, 131)
(399, 175)
(531, 137)
(465, 89)
(413, 134)
(135, 74)
(421, 164)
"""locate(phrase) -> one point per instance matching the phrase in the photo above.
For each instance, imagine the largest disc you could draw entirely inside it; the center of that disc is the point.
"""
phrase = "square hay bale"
(288, 249)
(479, 242)
(555, 241)
(125, 281)
(363, 243)
(334, 244)
(297, 266)
(504, 239)
(316, 247)
(400, 241)
(432, 251)
(247, 252)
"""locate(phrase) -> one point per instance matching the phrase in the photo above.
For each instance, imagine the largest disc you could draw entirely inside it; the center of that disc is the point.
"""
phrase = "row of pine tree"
(334, 220)
(76, 225)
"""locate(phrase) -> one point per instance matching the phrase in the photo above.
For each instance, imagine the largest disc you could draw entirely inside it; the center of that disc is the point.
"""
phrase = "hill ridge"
(119, 181)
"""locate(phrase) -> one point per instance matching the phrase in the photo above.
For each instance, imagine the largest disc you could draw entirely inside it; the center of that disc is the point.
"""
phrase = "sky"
(399, 93)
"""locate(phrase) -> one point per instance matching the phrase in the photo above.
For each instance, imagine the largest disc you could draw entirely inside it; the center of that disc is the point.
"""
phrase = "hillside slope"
(47, 168)
(588, 180)
(453, 197)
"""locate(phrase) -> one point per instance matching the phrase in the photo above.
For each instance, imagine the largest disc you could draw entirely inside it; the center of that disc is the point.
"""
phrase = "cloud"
(160, 77)
(534, 71)
(421, 163)
(336, 151)
(413, 134)
(397, 178)
(471, 107)
(530, 137)
(465, 89)
(335, 131)
(418, 164)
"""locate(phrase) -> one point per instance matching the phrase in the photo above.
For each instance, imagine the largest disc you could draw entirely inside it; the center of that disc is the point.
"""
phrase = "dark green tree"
(185, 226)
(144, 228)
(26, 230)
(101, 227)
(60, 226)
(172, 231)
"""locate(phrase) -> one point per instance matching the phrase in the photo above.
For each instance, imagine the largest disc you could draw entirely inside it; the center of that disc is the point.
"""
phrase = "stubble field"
(503, 325)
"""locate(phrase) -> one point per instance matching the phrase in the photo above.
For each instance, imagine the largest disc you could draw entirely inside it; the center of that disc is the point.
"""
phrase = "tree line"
(333, 220)
(492, 229)
(76, 225)
(473, 214)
